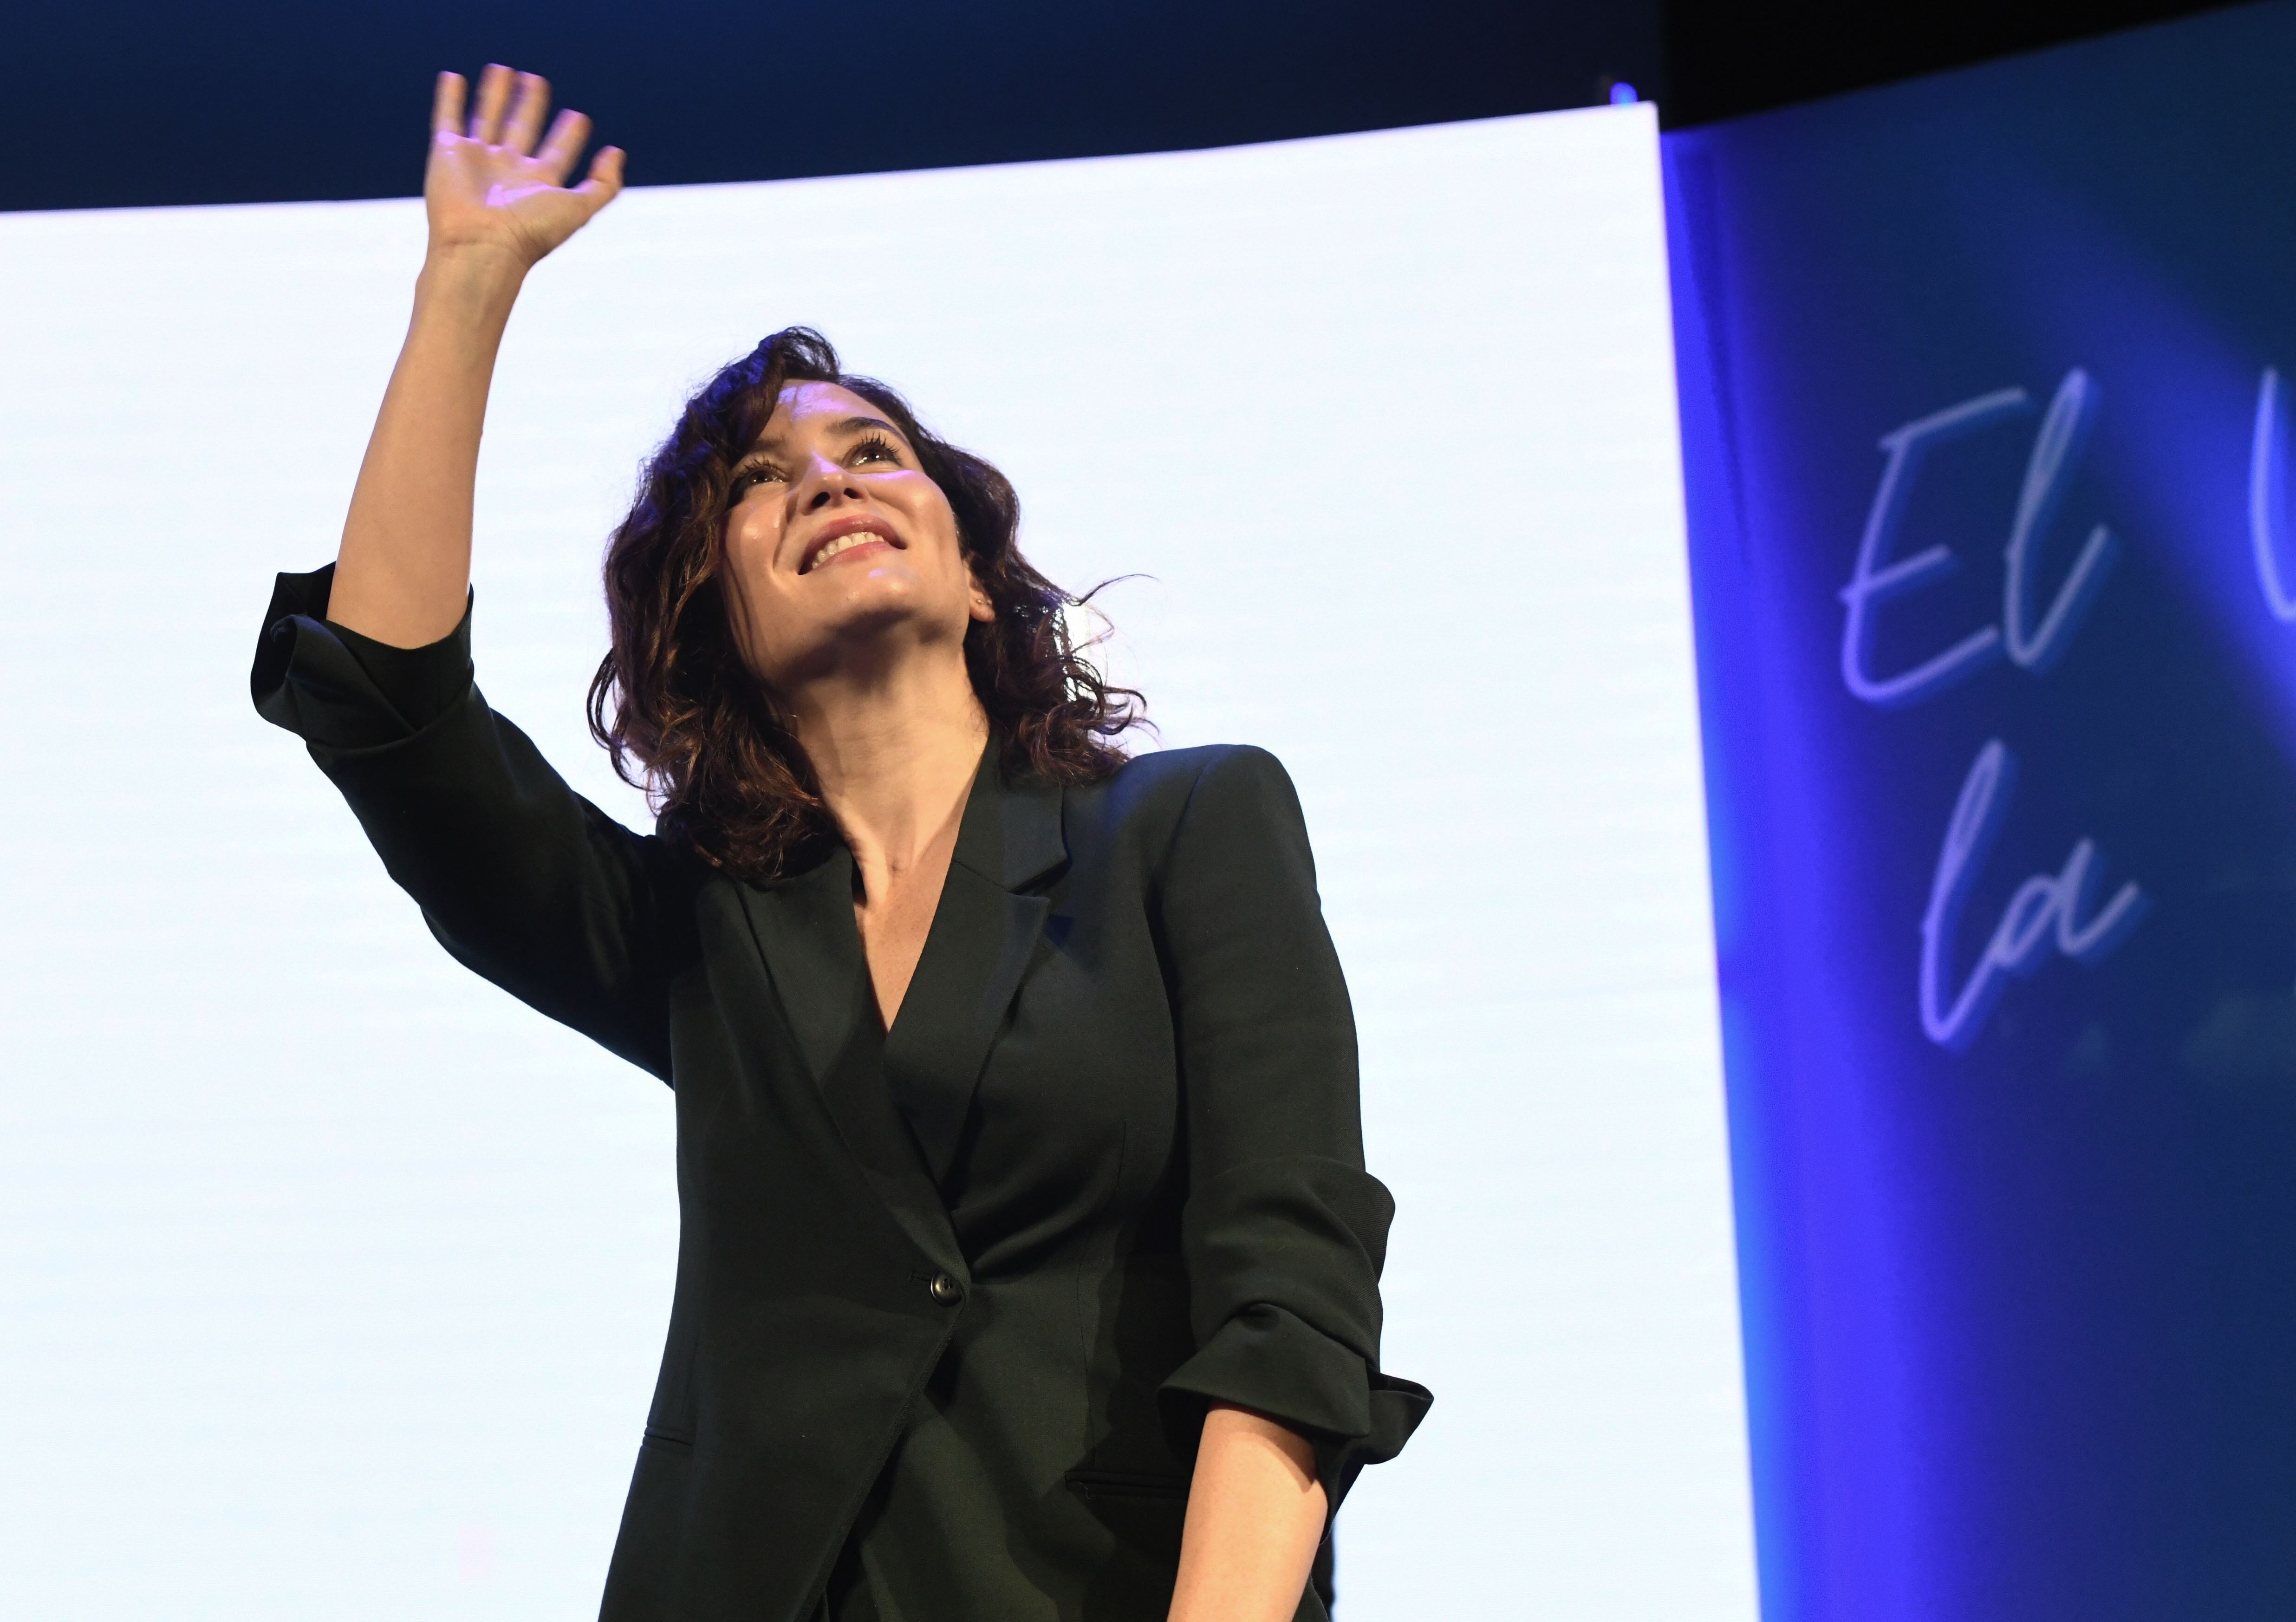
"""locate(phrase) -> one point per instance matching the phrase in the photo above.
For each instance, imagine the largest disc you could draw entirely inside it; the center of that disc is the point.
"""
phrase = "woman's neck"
(895, 751)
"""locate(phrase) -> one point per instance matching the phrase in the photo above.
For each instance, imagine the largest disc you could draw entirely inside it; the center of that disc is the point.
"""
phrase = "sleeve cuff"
(1283, 1257)
(1277, 1365)
(338, 689)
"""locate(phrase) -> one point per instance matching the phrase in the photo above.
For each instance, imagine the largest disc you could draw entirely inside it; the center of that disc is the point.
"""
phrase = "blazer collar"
(984, 932)
(803, 926)
(1011, 835)
(804, 931)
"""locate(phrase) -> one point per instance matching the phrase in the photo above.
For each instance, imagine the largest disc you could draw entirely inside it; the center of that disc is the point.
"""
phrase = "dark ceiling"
(1724, 58)
(109, 102)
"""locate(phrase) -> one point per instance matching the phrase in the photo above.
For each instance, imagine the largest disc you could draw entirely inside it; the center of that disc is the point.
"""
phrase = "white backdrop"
(331, 1280)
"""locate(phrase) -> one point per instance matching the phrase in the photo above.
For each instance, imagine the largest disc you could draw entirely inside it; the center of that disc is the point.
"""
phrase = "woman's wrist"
(1256, 1512)
(472, 280)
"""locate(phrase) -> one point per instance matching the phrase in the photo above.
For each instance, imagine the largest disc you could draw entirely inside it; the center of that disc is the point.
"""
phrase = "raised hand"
(488, 187)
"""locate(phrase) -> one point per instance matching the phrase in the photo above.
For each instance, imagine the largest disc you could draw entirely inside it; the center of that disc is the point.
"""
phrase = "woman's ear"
(978, 604)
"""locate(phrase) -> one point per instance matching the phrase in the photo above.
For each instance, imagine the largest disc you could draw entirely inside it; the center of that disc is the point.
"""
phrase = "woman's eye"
(749, 478)
(874, 449)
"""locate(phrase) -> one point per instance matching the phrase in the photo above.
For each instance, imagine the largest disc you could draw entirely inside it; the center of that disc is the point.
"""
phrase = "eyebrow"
(843, 425)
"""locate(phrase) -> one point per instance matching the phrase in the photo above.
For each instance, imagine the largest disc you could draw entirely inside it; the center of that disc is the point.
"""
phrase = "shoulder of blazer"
(1146, 798)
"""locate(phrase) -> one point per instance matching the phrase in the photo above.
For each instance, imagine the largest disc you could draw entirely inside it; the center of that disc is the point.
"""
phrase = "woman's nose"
(825, 481)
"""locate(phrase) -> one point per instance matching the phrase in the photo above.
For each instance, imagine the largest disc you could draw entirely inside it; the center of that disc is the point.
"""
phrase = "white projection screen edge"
(336, 1279)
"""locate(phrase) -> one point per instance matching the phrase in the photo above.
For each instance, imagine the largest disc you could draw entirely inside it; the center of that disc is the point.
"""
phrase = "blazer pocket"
(1125, 1484)
(641, 1580)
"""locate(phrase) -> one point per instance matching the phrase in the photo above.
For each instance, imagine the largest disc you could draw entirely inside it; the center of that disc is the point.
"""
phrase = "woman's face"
(841, 552)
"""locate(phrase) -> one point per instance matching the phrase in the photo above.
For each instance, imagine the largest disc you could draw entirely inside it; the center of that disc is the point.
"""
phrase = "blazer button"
(945, 1290)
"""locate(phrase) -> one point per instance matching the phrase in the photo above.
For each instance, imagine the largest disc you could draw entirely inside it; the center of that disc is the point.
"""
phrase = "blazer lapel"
(804, 931)
(983, 933)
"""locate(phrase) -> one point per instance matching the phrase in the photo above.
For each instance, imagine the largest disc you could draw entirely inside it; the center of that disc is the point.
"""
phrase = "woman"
(1028, 1267)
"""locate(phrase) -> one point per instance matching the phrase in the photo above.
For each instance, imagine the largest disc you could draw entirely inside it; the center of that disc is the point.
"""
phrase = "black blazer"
(951, 1299)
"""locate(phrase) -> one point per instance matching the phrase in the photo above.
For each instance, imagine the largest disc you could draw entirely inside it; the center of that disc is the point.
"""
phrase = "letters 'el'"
(1880, 576)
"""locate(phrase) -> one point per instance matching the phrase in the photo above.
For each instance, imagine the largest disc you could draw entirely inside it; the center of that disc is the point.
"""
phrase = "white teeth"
(843, 543)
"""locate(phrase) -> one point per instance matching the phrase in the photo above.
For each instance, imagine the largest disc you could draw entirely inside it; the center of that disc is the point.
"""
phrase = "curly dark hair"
(686, 719)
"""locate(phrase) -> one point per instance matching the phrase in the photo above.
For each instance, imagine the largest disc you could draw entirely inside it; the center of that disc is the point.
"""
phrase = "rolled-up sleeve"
(519, 877)
(1283, 1232)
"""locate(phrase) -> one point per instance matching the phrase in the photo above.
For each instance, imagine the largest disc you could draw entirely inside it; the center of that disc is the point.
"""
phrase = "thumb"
(605, 181)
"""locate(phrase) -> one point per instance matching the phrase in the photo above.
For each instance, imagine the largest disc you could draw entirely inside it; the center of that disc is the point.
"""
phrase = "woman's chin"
(887, 619)
(878, 591)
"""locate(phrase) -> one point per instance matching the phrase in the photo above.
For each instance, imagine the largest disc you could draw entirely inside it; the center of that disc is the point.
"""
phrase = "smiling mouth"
(837, 545)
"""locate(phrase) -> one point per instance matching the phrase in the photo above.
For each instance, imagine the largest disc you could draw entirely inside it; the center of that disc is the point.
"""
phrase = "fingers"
(568, 132)
(447, 105)
(527, 107)
(494, 96)
(605, 181)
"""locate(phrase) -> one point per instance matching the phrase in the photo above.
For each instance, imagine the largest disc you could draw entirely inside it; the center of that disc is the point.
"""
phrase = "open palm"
(490, 186)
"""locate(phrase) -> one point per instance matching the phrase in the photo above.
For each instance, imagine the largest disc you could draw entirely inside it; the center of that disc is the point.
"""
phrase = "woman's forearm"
(494, 196)
(405, 565)
(1255, 1514)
